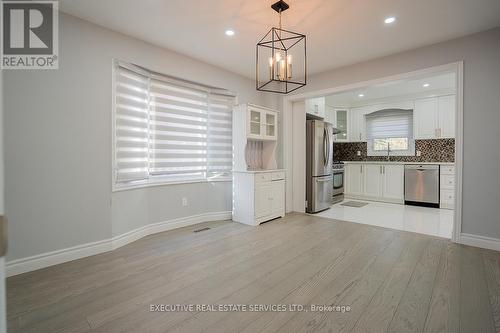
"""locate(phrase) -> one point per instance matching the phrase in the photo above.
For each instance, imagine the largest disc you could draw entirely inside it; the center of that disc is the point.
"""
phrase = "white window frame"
(153, 180)
(407, 152)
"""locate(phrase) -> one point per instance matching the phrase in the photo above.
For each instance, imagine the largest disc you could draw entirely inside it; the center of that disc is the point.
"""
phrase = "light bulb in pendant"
(289, 67)
(270, 68)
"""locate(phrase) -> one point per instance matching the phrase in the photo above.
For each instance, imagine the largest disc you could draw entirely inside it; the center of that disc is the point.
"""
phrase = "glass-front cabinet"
(255, 122)
(270, 125)
(261, 124)
(341, 123)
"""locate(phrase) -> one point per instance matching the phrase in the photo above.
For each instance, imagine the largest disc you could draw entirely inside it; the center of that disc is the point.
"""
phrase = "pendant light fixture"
(281, 58)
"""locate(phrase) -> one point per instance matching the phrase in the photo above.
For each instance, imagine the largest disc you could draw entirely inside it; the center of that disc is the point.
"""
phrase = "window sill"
(155, 183)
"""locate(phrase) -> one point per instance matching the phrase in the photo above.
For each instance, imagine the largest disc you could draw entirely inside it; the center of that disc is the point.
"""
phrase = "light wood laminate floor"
(393, 281)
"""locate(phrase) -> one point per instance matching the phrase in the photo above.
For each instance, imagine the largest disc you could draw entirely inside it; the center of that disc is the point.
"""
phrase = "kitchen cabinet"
(316, 107)
(425, 117)
(258, 186)
(263, 200)
(446, 116)
(393, 182)
(255, 136)
(261, 123)
(342, 124)
(354, 179)
(434, 118)
(278, 197)
(258, 196)
(330, 115)
(372, 181)
(447, 186)
(357, 123)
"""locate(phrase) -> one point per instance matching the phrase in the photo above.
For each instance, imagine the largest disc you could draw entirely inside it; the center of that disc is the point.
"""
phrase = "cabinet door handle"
(380, 169)
(360, 136)
(383, 169)
(361, 168)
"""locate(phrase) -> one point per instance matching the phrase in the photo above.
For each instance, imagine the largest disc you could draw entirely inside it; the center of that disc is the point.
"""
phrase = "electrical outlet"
(419, 153)
(184, 202)
(358, 152)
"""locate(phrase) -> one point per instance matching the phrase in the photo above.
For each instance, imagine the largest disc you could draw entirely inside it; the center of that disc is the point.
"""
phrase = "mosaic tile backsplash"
(434, 150)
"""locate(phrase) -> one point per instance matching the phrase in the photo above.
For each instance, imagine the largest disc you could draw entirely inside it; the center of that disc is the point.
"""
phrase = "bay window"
(168, 130)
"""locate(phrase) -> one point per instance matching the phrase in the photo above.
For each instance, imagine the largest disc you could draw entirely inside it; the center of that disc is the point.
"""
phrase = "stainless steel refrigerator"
(319, 158)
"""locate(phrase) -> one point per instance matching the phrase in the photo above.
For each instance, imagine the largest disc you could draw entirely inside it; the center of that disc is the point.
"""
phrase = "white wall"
(481, 169)
(58, 144)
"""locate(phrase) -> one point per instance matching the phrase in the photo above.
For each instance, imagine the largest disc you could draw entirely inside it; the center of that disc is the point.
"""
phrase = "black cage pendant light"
(281, 58)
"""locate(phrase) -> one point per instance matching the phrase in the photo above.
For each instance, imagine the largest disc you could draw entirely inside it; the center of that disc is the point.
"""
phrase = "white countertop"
(257, 171)
(393, 162)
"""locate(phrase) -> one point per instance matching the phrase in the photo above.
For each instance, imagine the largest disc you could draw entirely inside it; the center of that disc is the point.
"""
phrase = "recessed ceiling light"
(389, 20)
(229, 32)
(361, 95)
(425, 85)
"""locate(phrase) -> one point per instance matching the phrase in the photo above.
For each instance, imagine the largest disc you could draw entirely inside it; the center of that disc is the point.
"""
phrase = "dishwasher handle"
(421, 167)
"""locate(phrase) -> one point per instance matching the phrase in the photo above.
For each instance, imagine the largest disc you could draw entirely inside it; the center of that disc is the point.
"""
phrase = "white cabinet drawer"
(447, 181)
(447, 169)
(447, 199)
(278, 175)
(263, 177)
(448, 196)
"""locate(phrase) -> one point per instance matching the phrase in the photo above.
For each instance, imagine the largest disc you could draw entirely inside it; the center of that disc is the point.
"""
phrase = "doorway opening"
(399, 146)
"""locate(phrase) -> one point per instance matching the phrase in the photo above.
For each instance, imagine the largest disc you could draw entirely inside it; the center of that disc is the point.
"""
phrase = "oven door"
(338, 182)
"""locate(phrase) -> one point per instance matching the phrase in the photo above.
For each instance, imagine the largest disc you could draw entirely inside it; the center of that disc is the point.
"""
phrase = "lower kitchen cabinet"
(394, 182)
(372, 180)
(258, 196)
(380, 182)
(447, 186)
(353, 179)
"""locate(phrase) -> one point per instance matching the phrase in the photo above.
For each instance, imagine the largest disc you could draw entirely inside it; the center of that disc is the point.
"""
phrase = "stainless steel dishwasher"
(422, 185)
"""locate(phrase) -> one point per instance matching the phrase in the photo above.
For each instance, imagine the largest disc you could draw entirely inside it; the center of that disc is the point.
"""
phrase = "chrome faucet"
(388, 151)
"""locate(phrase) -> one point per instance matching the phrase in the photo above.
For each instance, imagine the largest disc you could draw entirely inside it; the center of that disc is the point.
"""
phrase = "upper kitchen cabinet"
(446, 117)
(330, 115)
(255, 134)
(342, 124)
(261, 123)
(316, 107)
(357, 126)
(338, 117)
(425, 117)
(434, 118)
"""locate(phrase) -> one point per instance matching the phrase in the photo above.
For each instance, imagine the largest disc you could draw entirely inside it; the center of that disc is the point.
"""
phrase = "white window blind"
(170, 130)
(131, 126)
(391, 128)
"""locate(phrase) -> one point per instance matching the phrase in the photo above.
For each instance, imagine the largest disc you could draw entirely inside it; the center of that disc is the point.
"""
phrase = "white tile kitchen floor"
(429, 221)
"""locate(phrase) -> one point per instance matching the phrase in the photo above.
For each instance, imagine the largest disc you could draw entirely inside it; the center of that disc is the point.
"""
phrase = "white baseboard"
(480, 241)
(47, 259)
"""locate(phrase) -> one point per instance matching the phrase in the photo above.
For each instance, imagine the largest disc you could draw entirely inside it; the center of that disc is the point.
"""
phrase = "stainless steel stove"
(338, 181)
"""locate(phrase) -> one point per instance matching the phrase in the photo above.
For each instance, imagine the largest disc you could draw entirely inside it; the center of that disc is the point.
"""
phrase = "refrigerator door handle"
(325, 179)
(324, 147)
(328, 146)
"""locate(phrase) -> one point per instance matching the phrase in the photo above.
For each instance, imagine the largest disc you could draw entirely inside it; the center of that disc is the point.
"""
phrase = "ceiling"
(339, 32)
(414, 87)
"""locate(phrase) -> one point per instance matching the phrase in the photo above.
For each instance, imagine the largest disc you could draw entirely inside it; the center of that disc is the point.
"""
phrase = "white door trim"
(288, 157)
